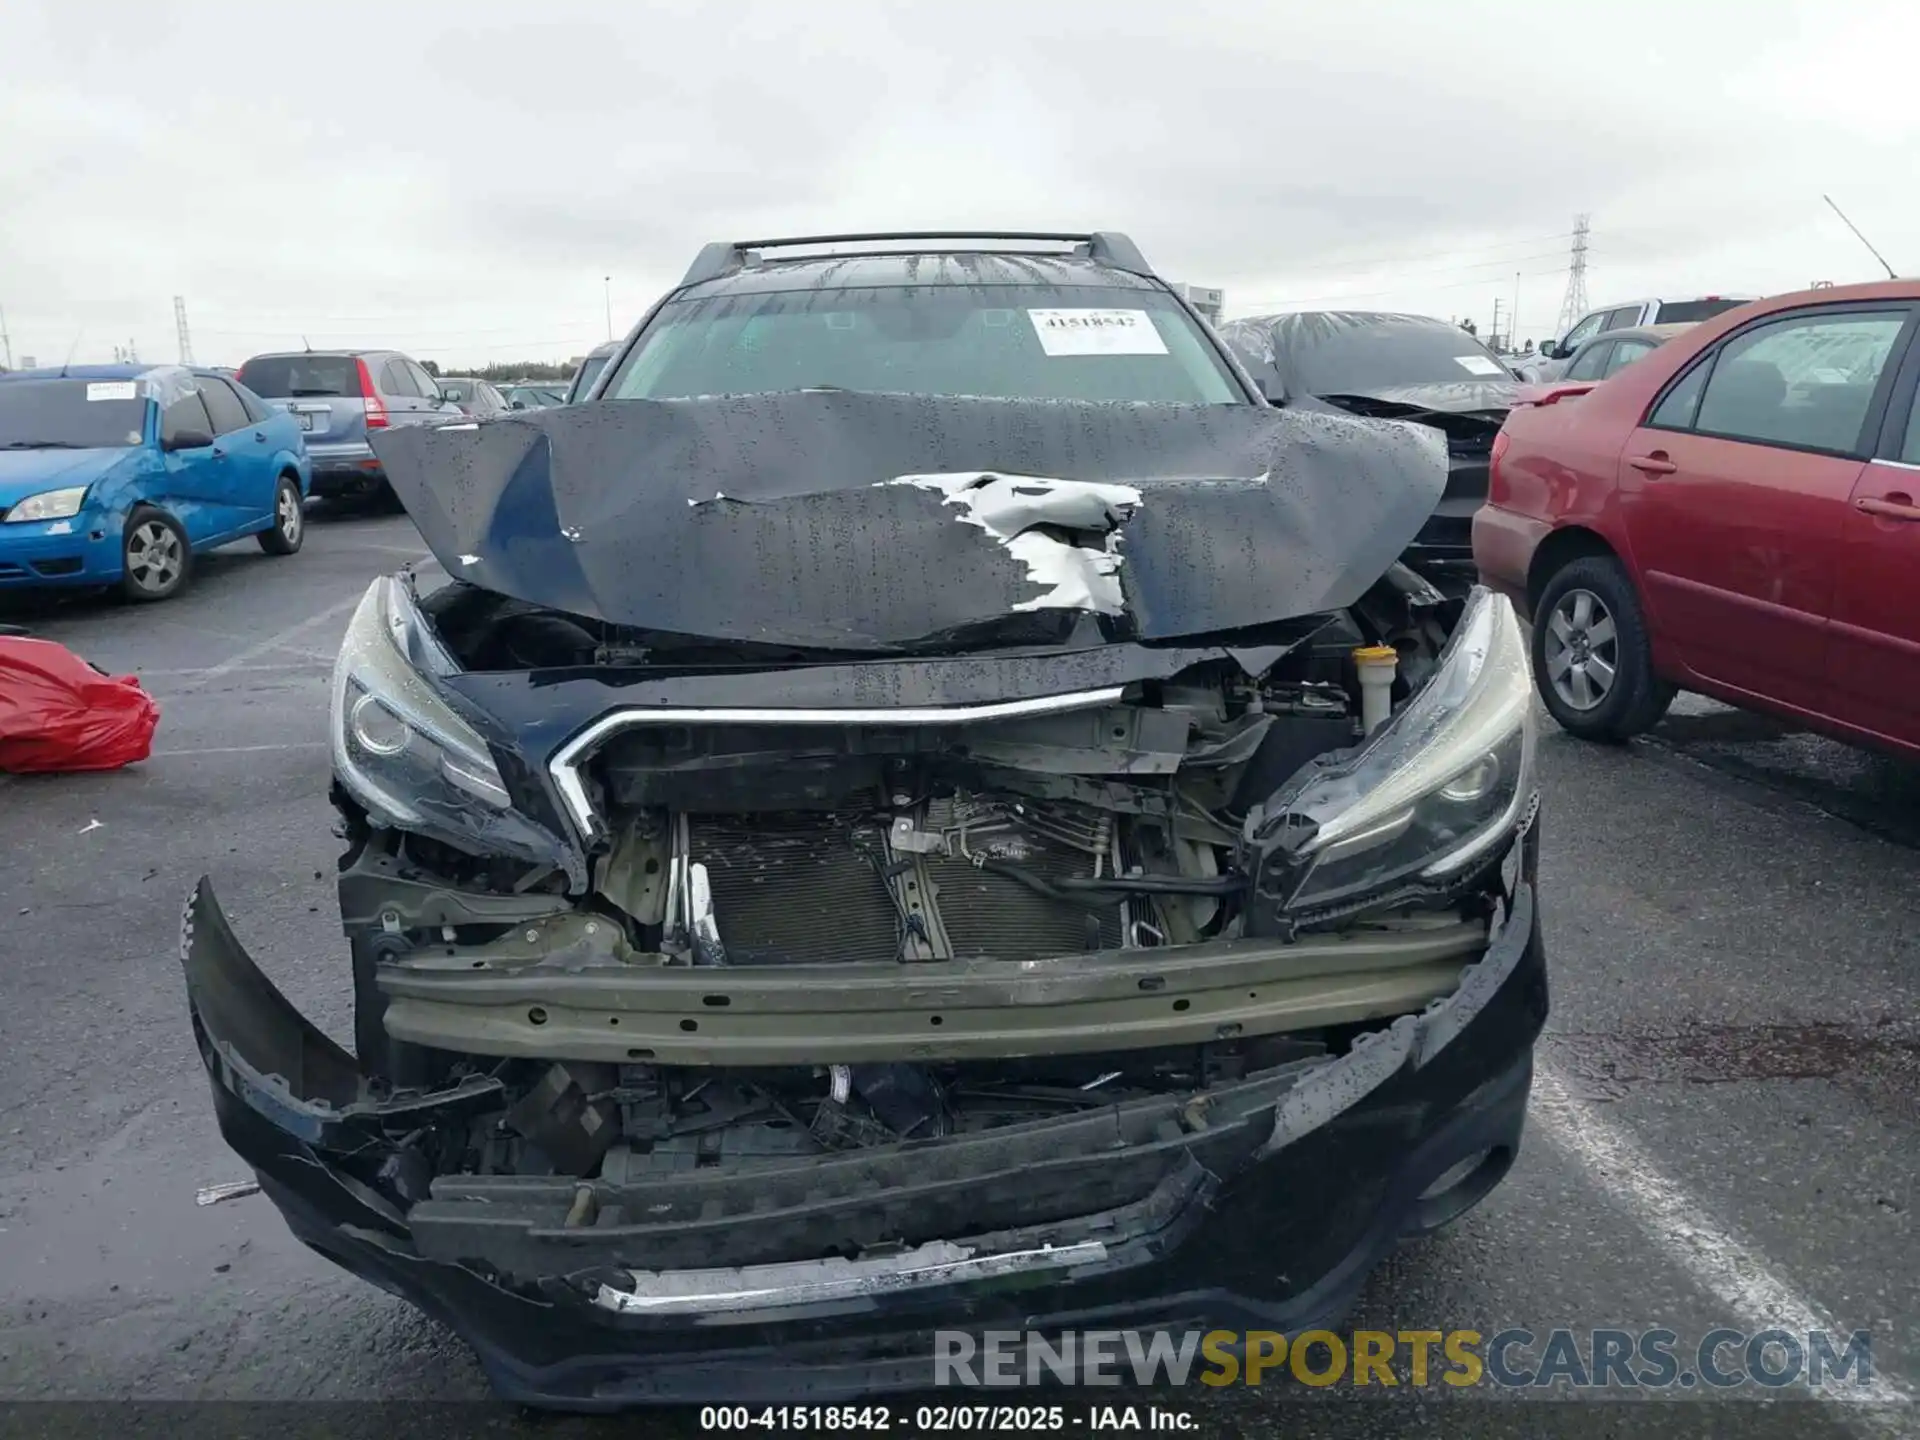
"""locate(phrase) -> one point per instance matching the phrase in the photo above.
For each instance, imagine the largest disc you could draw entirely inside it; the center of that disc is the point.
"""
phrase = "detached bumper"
(1263, 1205)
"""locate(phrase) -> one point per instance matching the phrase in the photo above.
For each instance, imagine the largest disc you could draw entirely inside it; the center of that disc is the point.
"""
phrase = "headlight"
(402, 751)
(49, 505)
(1437, 788)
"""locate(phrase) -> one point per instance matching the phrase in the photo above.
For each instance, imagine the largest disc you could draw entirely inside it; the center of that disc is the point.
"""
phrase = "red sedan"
(1737, 514)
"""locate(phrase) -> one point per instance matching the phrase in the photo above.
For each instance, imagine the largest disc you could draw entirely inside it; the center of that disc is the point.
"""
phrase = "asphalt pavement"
(1725, 1129)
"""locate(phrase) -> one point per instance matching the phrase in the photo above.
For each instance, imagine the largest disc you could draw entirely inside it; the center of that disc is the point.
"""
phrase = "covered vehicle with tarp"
(1387, 366)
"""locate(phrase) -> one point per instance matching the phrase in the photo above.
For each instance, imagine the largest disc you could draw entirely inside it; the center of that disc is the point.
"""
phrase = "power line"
(295, 328)
(397, 321)
(1362, 262)
(298, 314)
(1253, 305)
(1440, 270)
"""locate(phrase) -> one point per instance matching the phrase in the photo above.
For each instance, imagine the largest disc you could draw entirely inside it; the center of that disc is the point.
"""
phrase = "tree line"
(500, 371)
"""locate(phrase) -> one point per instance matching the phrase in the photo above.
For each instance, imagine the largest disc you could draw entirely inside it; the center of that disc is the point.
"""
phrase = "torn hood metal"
(889, 523)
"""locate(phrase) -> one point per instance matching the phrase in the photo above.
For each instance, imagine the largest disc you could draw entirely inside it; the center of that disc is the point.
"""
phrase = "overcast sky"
(456, 179)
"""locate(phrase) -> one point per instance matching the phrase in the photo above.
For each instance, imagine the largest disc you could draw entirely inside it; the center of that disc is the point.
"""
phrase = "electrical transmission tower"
(180, 324)
(1575, 304)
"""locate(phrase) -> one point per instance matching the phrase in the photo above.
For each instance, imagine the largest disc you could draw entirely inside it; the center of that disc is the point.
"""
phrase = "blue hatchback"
(120, 474)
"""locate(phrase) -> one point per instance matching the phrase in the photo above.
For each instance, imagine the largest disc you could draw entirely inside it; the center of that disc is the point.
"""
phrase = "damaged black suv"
(924, 802)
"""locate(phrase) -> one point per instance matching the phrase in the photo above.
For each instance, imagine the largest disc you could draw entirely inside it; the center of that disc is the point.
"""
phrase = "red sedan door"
(1736, 491)
(1875, 655)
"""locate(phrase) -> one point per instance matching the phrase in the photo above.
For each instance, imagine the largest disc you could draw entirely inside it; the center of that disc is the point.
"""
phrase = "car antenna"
(1861, 238)
(68, 362)
(308, 344)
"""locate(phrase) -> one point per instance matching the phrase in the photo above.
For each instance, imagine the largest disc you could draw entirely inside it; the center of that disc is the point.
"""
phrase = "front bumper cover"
(82, 549)
(1200, 1217)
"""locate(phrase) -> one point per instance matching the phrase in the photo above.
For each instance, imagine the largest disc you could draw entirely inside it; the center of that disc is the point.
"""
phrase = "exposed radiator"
(808, 888)
(797, 888)
(992, 915)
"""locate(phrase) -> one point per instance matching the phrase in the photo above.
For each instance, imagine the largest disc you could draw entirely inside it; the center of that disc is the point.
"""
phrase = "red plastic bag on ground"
(59, 713)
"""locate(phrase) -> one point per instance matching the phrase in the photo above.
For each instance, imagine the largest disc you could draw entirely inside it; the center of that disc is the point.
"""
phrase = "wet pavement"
(1726, 1130)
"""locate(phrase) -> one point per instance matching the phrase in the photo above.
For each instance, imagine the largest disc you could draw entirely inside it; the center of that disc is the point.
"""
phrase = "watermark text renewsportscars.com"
(1511, 1359)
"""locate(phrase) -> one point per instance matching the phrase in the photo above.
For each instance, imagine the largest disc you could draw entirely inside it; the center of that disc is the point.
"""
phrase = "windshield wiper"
(298, 392)
(42, 445)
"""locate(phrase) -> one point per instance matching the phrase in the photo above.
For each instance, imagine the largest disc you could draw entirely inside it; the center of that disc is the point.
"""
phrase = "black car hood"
(888, 523)
(1448, 397)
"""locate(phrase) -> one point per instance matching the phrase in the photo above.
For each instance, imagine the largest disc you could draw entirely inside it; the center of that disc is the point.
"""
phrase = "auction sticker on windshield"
(1476, 364)
(112, 390)
(1097, 332)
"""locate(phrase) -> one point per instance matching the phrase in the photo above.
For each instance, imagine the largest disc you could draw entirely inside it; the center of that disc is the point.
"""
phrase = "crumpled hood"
(889, 522)
(1451, 397)
(29, 472)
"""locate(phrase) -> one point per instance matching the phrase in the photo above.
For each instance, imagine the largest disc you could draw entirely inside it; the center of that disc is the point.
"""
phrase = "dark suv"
(343, 397)
(928, 805)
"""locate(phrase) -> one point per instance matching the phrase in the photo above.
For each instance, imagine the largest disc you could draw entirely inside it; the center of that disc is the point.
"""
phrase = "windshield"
(287, 376)
(1338, 354)
(589, 368)
(1010, 342)
(71, 414)
(1692, 312)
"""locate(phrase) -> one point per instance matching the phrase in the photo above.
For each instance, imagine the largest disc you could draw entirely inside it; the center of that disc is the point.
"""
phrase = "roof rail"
(1109, 247)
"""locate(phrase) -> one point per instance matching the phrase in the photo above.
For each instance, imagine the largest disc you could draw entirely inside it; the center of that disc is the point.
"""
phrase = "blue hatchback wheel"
(156, 556)
(289, 528)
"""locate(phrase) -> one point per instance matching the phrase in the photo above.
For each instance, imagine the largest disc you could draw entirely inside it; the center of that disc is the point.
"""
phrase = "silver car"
(338, 396)
(535, 396)
(1554, 355)
(475, 396)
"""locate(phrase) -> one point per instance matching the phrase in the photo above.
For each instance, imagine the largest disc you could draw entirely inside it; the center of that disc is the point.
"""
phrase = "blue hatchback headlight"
(49, 505)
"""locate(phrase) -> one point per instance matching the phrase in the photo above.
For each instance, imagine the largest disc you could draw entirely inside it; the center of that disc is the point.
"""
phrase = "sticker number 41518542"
(1097, 332)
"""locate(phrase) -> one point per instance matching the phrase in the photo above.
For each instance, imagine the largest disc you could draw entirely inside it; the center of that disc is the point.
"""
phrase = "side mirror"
(1550, 350)
(518, 405)
(1274, 390)
(186, 440)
